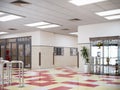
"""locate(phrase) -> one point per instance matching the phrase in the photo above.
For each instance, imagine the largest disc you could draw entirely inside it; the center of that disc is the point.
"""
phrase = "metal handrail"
(9, 70)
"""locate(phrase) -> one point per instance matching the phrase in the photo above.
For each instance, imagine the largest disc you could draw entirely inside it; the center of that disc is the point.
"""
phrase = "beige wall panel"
(46, 57)
(35, 57)
(66, 59)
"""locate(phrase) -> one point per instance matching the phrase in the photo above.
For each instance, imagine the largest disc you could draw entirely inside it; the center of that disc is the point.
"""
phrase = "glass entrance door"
(2, 51)
(105, 56)
(24, 50)
(98, 67)
(24, 54)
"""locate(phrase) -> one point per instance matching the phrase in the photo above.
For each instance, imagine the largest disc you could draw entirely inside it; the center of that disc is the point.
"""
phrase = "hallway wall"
(44, 42)
(98, 30)
(66, 59)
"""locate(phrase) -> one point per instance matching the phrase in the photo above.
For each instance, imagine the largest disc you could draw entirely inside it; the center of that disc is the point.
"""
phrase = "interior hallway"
(66, 78)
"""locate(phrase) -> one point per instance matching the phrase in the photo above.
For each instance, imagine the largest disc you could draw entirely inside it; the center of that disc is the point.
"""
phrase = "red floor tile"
(85, 74)
(42, 84)
(12, 84)
(91, 80)
(81, 84)
(2, 88)
(64, 75)
(106, 80)
(59, 68)
(61, 88)
(112, 77)
(115, 83)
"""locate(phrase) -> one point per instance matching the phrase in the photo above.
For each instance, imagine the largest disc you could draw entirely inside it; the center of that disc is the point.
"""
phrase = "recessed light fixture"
(113, 17)
(42, 25)
(3, 32)
(74, 33)
(84, 2)
(110, 12)
(1, 13)
(37, 24)
(9, 18)
(48, 26)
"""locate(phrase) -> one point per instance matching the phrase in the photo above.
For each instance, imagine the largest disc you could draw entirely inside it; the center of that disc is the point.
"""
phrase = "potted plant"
(85, 54)
(99, 44)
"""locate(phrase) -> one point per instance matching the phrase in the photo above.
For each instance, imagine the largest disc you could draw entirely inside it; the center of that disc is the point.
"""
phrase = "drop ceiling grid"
(68, 9)
(108, 5)
(32, 14)
(74, 11)
(32, 9)
(82, 12)
(52, 14)
(115, 1)
(78, 13)
(42, 12)
(51, 9)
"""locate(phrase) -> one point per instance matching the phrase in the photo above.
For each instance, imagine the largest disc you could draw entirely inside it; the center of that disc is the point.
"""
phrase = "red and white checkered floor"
(63, 79)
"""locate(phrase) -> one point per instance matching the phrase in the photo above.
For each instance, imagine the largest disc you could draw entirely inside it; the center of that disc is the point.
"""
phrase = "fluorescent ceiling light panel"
(110, 12)
(84, 2)
(113, 17)
(74, 33)
(1, 13)
(48, 26)
(37, 24)
(9, 18)
(3, 32)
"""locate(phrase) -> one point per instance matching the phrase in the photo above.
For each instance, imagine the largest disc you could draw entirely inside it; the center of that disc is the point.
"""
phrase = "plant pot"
(87, 68)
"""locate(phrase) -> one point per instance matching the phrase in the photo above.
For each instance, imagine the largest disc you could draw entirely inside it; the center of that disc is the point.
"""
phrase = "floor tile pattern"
(62, 79)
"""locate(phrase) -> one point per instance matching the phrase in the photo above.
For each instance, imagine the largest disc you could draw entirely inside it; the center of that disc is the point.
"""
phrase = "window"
(73, 51)
(59, 50)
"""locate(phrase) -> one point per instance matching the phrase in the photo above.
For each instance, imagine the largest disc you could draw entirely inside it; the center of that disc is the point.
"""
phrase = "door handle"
(40, 58)
(53, 58)
(78, 59)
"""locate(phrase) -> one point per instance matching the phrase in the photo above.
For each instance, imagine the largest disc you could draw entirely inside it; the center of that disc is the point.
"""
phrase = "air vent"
(65, 29)
(20, 3)
(75, 19)
(12, 29)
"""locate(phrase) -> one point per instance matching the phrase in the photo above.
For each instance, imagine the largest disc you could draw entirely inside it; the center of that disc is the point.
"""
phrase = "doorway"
(105, 55)
(16, 49)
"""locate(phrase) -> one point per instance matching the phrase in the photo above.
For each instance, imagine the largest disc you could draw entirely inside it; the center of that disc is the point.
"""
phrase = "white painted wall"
(65, 41)
(35, 36)
(47, 38)
(98, 30)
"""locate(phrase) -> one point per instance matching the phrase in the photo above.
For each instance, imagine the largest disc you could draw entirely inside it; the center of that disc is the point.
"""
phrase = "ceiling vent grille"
(75, 19)
(12, 29)
(65, 29)
(20, 3)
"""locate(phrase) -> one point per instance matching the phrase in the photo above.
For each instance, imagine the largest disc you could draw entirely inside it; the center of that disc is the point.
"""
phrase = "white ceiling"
(54, 11)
